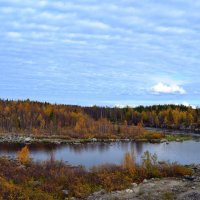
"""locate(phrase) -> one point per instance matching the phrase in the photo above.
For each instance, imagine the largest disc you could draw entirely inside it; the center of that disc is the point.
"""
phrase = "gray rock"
(28, 139)
(94, 140)
(134, 184)
(65, 192)
(145, 181)
(163, 140)
(189, 178)
(191, 196)
(129, 190)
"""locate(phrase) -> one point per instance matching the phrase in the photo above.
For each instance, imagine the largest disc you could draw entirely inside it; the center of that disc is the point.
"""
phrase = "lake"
(91, 154)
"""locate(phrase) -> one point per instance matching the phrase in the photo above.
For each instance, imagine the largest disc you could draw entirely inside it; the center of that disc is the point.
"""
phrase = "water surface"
(91, 154)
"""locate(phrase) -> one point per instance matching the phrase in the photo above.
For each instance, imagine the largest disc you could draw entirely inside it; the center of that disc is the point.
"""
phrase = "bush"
(46, 180)
(149, 163)
(23, 155)
(129, 163)
(174, 170)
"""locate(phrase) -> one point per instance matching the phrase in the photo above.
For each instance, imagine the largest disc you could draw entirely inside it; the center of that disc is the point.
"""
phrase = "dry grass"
(47, 180)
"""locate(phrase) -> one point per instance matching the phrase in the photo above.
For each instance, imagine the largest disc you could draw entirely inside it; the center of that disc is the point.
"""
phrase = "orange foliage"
(129, 163)
(44, 118)
(48, 179)
(151, 135)
(23, 155)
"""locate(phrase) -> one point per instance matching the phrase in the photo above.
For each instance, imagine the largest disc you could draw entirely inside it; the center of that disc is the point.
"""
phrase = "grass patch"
(173, 137)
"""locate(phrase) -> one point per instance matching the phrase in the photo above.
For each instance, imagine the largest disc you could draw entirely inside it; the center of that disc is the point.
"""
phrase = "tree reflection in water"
(90, 154)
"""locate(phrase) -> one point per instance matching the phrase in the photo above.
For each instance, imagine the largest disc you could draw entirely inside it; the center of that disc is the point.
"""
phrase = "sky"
(100, 52)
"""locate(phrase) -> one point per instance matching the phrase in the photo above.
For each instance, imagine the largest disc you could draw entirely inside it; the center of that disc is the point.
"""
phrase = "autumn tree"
(75, 121)
(129, 162)
(23, 155)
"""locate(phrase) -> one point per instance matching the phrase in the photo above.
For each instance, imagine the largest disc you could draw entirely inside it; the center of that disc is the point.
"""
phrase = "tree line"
(51, 119)
(157, 116)
(76, 121)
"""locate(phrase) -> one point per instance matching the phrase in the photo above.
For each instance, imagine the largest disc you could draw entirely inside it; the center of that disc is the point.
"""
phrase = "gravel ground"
(187, 188)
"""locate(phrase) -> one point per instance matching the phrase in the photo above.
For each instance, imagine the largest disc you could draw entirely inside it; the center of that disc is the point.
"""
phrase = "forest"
(31, 117)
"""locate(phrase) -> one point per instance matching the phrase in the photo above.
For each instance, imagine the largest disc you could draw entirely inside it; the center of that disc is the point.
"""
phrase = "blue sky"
(87, 52)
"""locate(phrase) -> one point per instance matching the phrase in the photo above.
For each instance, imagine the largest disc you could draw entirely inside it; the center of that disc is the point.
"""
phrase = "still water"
(91, 154)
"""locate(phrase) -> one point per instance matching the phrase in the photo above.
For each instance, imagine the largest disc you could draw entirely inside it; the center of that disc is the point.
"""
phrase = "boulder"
(65, 192)
(134, 184)
(189, 178)
(145, 181)
(28, 139)
(129, 190)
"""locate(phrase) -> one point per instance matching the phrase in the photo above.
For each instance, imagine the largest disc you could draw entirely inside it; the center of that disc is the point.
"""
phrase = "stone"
(151, 184)
(129, 190)
(191, 196)
(145, 181)
(163, 140)
(134, 184)
(28, 139)
(189, 178)
(94, 140)
(65, 192)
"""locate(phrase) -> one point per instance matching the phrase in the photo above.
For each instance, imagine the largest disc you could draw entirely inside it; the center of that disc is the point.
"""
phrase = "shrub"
(153, 135)
(23, 155)
(129, 163)
(149, 163)
(174, 170)
(46, 180)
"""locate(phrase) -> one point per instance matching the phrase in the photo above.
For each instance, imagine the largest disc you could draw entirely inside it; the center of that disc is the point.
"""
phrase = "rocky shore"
(186, 188)
(28, 139)
(21, 139)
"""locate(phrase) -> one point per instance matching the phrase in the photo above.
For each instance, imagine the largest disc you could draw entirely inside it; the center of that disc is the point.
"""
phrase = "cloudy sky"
(116, 52)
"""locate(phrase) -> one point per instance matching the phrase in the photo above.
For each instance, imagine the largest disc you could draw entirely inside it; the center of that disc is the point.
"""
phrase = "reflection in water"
(98, 153)
(13, 147)
(139, 147)
(102, 147)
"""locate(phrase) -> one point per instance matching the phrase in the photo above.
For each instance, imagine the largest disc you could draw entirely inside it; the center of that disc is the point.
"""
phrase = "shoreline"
(182, 183)
(24, 139)
(175, 131)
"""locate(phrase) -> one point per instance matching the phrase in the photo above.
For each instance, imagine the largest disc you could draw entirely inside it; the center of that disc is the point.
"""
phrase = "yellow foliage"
(152, 135)
(11, 191)
(23, 155)
(129, 163)
(81, 188)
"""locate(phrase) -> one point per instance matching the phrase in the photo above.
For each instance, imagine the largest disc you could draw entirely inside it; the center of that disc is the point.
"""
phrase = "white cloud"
(93, 24)
(188, 104)
(174, 30)
(167, 89)
(115, 41)
(14, 35)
